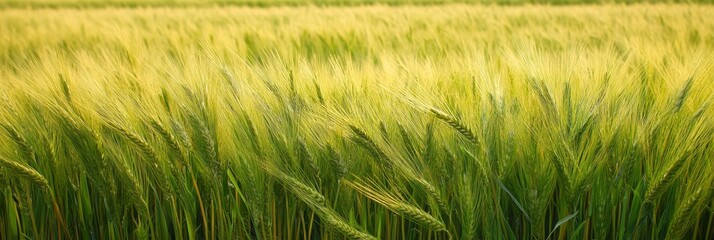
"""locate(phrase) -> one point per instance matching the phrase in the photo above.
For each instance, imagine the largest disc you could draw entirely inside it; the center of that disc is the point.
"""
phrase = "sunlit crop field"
(364, 122)
(272, 3)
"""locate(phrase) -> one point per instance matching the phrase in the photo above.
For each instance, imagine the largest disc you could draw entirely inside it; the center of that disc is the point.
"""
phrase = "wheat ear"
(456, 125)
(24, 172)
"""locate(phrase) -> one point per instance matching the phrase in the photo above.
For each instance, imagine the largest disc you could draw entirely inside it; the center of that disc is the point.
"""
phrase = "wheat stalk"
(22, 143)
(150, 154)
(304, 155)
(24, 172)
(683, 215)
(134, 190)
(456, 125)
(208, 143)
(660, 184)
(399, 207)
(331, 219)
(170, 140)
(308, 194)
(338, 167)
(366, 142)
(432, 192)
(408, 145)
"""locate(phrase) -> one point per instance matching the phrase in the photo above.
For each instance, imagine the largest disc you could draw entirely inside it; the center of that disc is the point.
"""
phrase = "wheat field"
(364, 122)
(273, 3)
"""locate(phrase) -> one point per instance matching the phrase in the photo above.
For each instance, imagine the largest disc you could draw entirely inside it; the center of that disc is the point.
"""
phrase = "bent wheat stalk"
(398, 206)
(456, 125)
(24, 172)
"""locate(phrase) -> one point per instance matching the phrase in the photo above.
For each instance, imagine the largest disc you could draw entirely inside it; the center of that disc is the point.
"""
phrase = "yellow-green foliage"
(272, 3)
(408, 122)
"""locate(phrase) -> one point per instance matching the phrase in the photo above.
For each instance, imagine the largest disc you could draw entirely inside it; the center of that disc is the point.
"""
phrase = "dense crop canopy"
(408, 122)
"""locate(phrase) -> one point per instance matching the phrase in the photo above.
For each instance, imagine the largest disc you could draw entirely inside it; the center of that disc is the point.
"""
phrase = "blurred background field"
(269, 3)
